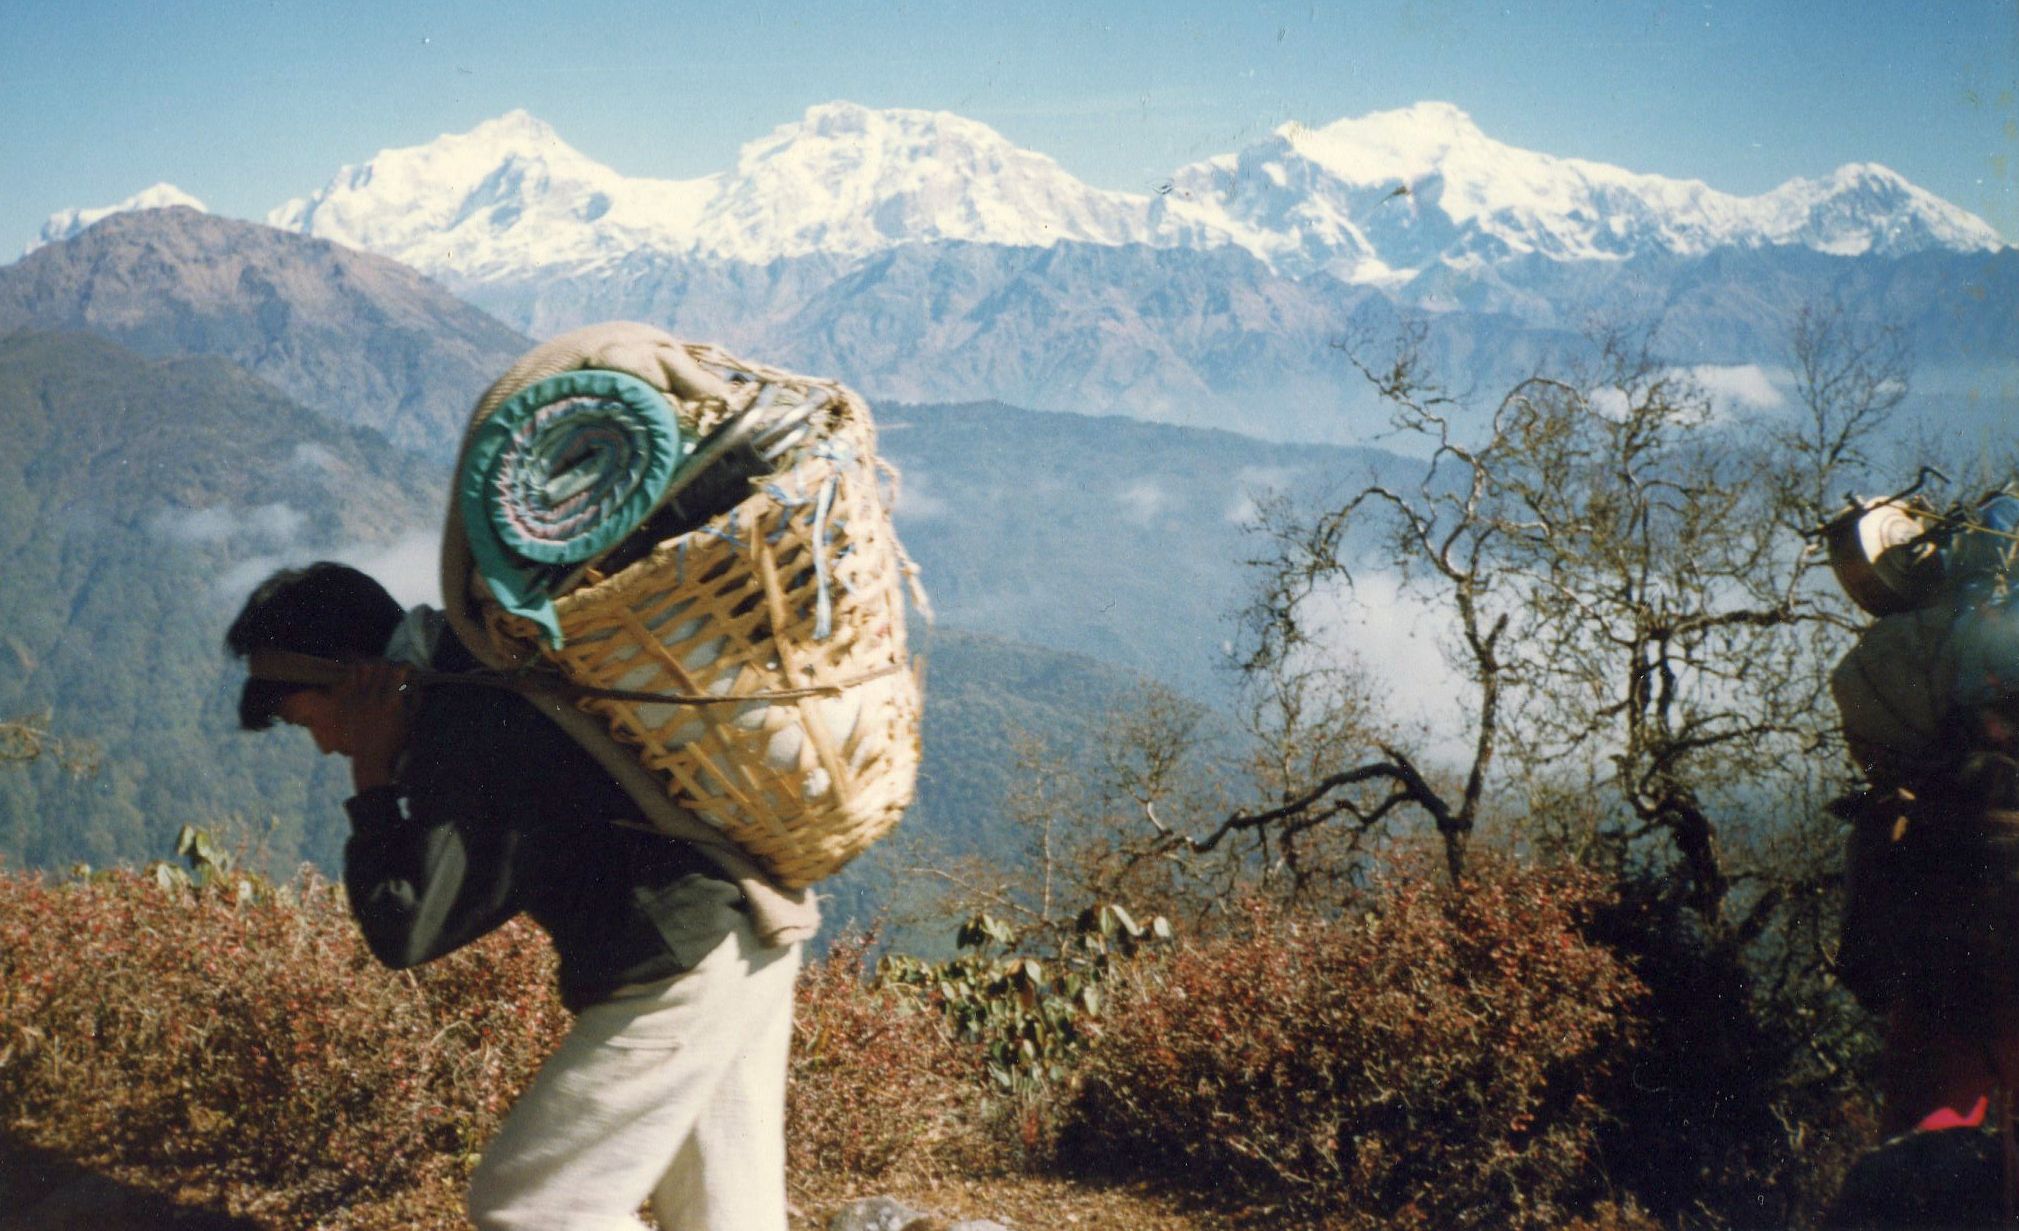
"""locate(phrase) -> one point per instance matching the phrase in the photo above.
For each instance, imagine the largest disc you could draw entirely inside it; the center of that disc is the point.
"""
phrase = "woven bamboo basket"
(801, 586)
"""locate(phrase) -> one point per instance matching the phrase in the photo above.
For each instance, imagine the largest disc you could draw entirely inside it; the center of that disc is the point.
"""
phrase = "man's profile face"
(319, 711)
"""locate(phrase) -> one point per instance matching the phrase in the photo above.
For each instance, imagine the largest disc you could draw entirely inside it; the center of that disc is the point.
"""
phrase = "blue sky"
(247, 103)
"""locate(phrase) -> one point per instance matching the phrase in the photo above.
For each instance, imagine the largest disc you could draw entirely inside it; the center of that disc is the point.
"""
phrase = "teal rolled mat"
(560, 473)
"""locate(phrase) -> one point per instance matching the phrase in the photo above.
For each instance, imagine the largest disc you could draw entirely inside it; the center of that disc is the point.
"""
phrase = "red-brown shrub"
(1427, 1063)
(878, 1085)
(248, 1045)
(248, 1039)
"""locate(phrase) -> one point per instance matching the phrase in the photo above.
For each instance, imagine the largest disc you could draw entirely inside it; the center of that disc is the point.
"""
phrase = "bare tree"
(1074, 816)
(1642, 633)
(1849, 378)
(1639, 623)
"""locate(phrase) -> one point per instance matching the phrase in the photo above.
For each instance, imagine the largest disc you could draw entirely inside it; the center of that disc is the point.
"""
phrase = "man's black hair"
(329, 610)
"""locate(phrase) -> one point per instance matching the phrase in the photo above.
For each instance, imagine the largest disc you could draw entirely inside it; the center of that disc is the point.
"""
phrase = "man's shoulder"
(450, 654)
(495, 736)
(474, 721)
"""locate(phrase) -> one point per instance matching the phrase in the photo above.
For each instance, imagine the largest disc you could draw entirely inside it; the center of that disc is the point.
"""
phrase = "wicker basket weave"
(802, 585)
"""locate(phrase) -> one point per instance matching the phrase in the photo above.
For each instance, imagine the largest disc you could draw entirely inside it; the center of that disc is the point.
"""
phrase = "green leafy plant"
(1032, 1016)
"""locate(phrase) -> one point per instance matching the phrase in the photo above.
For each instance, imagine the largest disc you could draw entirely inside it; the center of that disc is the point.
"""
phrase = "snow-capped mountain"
(923, 256)
(67, 222)
(510, 196)
(506, 197)
(1379, 199)
(1864, 208)
(848, 181)
(1384, 197)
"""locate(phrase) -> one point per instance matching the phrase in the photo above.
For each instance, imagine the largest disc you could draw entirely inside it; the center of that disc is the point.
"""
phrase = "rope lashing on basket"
(823, 600)
(823, 507)
(790, 503)
(288, 667)
(562, 471)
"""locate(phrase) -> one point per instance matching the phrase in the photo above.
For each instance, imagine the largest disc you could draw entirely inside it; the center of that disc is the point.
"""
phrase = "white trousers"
(674, 1093)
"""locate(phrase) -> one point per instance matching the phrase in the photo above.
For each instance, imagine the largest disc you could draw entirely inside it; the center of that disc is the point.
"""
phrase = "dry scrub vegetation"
(1428, 1060)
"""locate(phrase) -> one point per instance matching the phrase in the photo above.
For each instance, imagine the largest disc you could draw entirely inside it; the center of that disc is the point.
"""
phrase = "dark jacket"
(496, 812)
(1952, 1179)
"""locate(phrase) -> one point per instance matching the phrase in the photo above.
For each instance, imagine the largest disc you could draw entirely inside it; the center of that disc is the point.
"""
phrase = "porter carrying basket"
(758, 633)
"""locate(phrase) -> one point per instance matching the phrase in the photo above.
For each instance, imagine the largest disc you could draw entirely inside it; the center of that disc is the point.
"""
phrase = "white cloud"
(1393, 635)
(1610, 403)
(915, 498)
(1744, 387)
(311, 456)
(265, 524)
(409, 567)
(237, 581)
(1254, 484)
(1727, 390)
(274, 522)
(212, 525)
(1142, 500)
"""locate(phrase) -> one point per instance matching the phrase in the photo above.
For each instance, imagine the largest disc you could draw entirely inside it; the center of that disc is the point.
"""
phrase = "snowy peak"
(1868, 208)
(1383, 197)
(849, 180)
(506, 196)
(1399, 145)
(65, 223)
(516, 128)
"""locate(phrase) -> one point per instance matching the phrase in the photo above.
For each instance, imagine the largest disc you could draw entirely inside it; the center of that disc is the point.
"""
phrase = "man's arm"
(429, 877)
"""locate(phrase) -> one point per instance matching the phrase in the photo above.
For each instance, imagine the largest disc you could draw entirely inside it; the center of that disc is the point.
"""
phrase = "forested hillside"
(149, 489)
(133, 496)
(1098, 535)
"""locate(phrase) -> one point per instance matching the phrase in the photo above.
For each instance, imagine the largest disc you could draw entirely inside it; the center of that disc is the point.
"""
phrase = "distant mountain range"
(921, 255)
(1380, 199)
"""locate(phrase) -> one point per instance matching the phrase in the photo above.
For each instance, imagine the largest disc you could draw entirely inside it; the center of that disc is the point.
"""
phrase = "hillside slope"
(138, 499)
(357, 335)
(1098, 535)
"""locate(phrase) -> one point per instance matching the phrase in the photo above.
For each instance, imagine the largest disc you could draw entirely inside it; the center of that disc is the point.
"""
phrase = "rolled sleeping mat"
(560, 473)
(624, 348)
